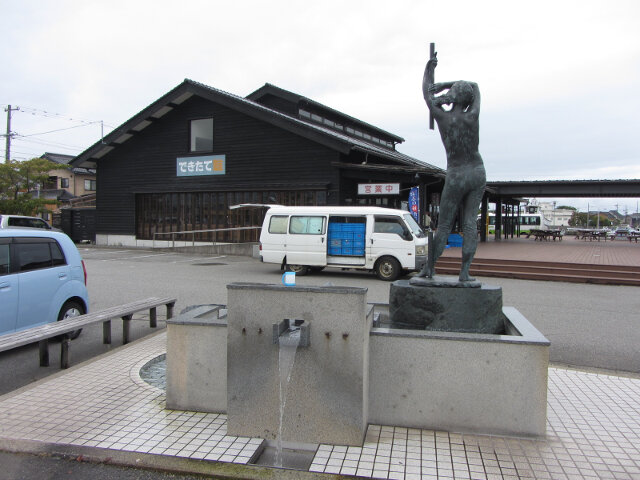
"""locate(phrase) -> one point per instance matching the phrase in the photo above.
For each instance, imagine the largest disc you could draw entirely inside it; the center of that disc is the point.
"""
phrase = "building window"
(90, 185)
(64, 183)
(201, 133)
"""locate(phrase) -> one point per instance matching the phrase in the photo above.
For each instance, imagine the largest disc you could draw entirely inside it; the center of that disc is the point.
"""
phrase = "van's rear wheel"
(297, 269)
(388, 269)
(71, 309)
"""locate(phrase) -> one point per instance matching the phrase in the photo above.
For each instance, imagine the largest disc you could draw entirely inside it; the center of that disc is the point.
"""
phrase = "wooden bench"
(43, 333)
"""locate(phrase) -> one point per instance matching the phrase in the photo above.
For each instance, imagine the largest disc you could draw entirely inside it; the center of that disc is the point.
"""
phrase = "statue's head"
(461, 92)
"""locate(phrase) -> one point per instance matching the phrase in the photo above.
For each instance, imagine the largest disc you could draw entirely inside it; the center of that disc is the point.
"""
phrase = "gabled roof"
(301, 101)
(63, 159)
(188, 88)
(57, 157)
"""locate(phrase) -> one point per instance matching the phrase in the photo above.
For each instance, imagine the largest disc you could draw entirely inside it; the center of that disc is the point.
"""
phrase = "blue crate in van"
(347, 227)
(346, 239)
(346, 250)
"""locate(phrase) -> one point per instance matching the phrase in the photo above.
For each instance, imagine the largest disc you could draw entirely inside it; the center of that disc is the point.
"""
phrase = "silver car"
(21, 221)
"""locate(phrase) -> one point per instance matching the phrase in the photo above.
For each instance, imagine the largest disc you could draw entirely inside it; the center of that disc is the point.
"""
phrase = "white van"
(303, 239)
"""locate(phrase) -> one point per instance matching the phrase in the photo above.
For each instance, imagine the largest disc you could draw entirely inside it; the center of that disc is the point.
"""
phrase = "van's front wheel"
(388, 269)
(297, 269)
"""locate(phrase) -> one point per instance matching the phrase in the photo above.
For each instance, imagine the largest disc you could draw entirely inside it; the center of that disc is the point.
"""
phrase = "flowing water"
(288, 345)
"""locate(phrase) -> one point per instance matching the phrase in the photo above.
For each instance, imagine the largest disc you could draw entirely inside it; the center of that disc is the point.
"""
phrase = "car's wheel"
(297, 269)
(387, 268)
(71, 309)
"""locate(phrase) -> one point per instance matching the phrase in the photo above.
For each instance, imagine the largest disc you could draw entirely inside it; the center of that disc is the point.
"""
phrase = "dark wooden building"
(179, 164)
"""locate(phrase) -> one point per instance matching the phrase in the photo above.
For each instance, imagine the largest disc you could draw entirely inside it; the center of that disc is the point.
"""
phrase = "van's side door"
(8, 289)
(390, 236)
(307, 240)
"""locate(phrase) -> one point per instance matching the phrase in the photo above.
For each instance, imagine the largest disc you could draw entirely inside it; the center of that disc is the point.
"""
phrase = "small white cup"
(289, 279)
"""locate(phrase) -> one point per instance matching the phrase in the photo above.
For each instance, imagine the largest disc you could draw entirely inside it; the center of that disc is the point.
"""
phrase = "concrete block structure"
(328, 389)
(197, 361)
(355, 370)
(461, 382)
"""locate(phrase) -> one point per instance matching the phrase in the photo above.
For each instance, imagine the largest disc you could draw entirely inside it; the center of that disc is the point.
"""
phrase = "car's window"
(33, 256)
(278, 224)
(5, 264)
(307, 225)
(384, 224)
(27, 222)
(57, 256)
(413, 226)
(38, 253)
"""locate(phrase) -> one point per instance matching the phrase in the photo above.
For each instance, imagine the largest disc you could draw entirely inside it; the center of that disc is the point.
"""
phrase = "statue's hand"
(432, 63)
(432, 88)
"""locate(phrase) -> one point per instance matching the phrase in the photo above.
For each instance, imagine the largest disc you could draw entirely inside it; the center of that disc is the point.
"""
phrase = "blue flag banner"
(414, 203)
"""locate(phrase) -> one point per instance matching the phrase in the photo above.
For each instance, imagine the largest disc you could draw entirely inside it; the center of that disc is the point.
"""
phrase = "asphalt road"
(19, 466)
(592, 326)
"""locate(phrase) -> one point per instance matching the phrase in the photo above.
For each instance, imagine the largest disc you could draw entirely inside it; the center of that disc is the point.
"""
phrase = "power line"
(11, 135)
(60, 129)
(48, 142)
(18, 152)
(47, 114)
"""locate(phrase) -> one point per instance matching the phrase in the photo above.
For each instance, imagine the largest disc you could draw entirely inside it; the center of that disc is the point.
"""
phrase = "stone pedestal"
(446, 305)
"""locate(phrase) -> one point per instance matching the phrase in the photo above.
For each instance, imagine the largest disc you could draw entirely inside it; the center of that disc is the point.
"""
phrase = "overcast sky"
(560, 80)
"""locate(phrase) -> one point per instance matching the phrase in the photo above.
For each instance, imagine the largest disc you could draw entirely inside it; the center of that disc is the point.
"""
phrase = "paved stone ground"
(593, 429)
(569, 250)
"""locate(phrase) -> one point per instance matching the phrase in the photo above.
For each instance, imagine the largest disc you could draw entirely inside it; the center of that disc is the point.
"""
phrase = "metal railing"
(193, 235)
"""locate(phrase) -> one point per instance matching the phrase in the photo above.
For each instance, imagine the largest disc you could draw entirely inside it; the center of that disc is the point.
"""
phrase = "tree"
(18, 180)
(580, 220)
(566, 207)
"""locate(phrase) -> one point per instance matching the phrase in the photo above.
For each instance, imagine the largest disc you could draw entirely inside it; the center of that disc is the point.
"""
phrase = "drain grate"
(207, 264)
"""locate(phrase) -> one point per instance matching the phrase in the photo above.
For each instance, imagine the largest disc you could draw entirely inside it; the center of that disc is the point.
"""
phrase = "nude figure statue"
(466, 177)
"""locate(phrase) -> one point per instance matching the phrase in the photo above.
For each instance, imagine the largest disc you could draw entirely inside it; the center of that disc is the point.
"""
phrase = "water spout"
(288, 345)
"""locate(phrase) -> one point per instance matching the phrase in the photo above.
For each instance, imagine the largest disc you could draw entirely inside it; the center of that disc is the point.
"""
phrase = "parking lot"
(591, 326)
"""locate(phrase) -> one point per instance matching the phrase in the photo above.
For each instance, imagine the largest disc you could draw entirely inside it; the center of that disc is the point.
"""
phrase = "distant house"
(180, 163)
(76, 181)
(557, 217)
(66, 184)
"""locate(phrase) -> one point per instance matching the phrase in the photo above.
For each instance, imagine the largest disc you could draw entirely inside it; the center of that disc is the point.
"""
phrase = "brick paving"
(569, 250)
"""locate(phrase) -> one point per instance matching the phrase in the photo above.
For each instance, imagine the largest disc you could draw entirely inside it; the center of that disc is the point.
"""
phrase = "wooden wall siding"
(258, 156)
(183, 212)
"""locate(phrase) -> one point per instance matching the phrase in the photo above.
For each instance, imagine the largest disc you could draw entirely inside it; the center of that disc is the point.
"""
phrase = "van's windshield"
(413, 225)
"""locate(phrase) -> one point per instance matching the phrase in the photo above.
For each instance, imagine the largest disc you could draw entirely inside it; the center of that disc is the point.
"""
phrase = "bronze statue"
(456, 113)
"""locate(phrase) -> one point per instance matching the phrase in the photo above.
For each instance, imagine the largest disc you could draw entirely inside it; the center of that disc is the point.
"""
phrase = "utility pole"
(7, 154)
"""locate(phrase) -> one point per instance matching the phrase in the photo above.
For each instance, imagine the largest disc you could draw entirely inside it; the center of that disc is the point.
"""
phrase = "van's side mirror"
(406, 235)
